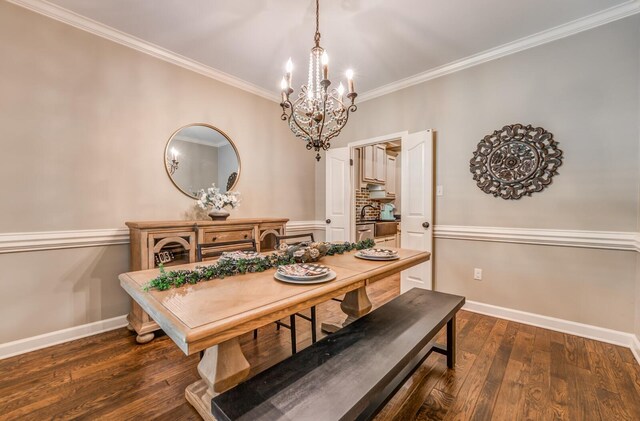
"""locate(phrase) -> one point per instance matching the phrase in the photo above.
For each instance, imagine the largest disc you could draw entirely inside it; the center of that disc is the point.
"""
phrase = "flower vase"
(218, 214)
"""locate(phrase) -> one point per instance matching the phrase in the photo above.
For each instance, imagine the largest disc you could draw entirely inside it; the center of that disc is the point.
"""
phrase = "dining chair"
(214, 250)
(309, 237)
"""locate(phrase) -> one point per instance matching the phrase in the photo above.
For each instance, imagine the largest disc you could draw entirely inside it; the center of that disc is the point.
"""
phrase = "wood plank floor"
(505, 371)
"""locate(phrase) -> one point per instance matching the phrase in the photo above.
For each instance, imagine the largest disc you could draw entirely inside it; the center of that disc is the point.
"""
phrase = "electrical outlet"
(477, 274)
(439, 191)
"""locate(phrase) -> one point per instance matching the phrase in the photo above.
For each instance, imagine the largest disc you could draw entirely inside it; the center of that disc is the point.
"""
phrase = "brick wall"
(362, 199)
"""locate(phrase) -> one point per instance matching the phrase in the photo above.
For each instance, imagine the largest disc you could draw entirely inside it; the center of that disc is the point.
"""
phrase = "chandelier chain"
(316, 37)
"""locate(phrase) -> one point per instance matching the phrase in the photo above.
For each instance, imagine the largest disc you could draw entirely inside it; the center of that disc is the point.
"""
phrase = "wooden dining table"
(210, 316)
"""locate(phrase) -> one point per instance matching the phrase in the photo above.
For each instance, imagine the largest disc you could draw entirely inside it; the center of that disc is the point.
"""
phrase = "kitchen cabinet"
(388, 241)
(391, 175)
(373, 164)
(367, 164)
(381, 163)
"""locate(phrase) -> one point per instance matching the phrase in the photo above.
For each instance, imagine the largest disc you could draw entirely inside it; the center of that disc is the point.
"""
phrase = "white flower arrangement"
(211, 198)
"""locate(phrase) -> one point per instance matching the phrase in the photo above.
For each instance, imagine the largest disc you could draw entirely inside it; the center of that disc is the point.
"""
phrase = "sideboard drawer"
(224, 236)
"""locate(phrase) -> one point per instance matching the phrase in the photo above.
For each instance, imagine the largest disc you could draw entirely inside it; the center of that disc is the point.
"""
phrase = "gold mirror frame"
(166, 150)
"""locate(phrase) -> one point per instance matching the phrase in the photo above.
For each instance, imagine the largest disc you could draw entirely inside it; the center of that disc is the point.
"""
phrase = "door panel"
(338, 194)
(417, 205)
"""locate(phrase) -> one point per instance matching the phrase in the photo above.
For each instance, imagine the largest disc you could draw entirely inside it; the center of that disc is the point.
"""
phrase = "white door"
(338, 185)
(417, 205)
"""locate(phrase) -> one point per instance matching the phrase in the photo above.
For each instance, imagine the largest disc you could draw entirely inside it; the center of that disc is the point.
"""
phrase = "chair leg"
(277, 326)
(255, 333)
(292, 321)
(313, 325)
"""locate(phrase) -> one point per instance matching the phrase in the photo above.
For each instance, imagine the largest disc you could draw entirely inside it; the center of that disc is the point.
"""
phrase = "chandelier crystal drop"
(317, 113)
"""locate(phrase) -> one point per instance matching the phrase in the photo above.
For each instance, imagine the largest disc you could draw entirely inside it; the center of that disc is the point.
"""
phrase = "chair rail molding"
(611, 240)
(299, 226)
(55, 240)
(68, 17)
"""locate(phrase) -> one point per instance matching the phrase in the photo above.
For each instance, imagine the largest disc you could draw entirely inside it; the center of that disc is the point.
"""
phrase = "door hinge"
(351, 161)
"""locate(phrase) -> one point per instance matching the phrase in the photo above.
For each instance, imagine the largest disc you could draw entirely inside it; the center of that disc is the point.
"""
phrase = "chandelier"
(317, 114)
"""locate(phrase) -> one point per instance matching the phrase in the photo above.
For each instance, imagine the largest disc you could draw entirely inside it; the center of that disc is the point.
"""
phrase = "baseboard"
(635, 347)
(22, 346)
(602, 334)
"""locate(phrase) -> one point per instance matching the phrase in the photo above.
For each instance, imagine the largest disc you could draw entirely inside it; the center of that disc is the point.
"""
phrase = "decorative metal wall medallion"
(515, 161)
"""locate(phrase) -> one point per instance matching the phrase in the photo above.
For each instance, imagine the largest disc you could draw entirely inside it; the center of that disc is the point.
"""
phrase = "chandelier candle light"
(318, 113)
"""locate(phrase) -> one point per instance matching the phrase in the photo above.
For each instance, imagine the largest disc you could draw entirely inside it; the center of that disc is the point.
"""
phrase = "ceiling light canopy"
(317, 113)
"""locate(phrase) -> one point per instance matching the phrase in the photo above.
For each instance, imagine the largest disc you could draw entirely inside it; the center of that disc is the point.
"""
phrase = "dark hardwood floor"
(505, 371)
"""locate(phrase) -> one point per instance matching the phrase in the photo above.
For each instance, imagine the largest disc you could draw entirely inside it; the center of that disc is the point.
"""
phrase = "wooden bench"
(352, 373)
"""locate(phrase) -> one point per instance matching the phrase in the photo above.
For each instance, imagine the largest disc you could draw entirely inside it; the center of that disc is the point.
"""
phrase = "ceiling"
(383, 41)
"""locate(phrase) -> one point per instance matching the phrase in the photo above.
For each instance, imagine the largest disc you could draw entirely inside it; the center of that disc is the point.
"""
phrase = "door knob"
(425, 225)
(328, 221)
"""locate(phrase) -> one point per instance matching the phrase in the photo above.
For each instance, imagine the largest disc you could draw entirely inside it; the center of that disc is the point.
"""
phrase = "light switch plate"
(439, 191)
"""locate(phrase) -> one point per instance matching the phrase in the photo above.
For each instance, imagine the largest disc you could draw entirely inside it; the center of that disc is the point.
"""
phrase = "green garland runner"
(221, 269)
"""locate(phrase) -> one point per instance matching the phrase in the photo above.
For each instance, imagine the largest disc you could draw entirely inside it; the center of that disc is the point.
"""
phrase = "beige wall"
(637, 320)
(584, 90)
(84, 125)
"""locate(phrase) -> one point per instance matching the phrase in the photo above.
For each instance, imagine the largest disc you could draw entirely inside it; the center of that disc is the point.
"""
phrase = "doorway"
(383, 187)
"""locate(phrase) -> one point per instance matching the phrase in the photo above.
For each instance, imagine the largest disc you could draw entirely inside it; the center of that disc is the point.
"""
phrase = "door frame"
(395, 137)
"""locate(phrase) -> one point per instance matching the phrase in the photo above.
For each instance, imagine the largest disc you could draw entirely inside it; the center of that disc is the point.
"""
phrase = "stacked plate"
(304, 273)
(377, 254)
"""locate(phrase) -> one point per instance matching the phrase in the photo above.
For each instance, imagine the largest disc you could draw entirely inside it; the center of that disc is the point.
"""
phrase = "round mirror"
(199, 155)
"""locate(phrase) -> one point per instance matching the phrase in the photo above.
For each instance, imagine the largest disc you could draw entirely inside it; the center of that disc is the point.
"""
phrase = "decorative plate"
(330, 276)
(515, 161)
(303, 271)
(377, 254)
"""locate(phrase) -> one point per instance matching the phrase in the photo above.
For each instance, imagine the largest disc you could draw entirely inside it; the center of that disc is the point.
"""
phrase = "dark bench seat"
(353, 372)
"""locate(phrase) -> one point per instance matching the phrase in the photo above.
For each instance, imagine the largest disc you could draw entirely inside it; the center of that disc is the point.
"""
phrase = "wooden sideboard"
(175, 243)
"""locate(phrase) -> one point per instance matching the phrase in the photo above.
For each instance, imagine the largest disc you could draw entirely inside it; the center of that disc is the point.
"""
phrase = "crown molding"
(610, 240)
(61, 14)
(603, 17)
(89, 25)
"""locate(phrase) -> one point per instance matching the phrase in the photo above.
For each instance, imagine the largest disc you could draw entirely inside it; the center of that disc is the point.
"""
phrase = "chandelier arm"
(292, 116)
(286, 104)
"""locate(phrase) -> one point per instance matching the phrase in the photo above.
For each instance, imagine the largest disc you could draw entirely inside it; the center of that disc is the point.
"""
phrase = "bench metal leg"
(313, 325)
(292, 322)
(451, 342)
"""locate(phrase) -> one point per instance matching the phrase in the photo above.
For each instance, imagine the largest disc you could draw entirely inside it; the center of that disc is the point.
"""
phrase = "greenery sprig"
(230, 267)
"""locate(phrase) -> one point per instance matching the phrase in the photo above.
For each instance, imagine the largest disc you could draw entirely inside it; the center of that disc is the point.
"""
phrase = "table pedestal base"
(222, 367)
(356, 304)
